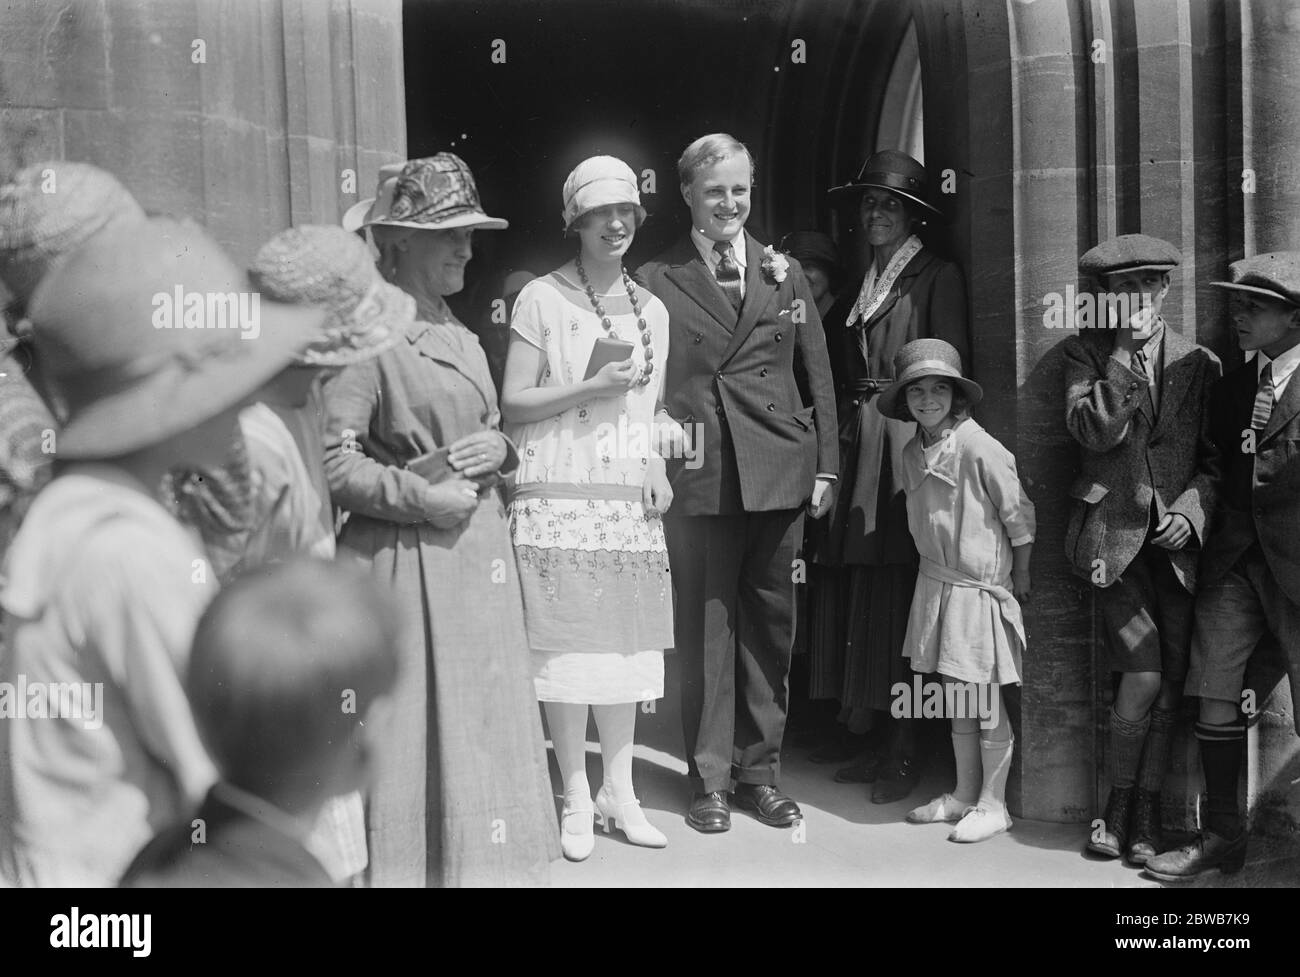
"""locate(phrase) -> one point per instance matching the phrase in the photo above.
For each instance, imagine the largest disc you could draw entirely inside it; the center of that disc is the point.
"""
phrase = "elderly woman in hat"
(103, 586)
(860, 607)
(413, 453)
(589, 493)
(46, 210)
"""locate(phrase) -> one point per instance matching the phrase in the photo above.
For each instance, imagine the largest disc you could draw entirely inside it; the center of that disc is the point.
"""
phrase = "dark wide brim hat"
(1274, 274)
(130, 367)
(924, 358)
(895, 171)
(436, 193)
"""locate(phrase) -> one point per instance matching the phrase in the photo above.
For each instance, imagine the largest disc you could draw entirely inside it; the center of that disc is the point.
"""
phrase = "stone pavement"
(845, 840)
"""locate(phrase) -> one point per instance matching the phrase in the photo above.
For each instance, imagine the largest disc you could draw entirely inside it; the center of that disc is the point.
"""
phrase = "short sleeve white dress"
(592, 563)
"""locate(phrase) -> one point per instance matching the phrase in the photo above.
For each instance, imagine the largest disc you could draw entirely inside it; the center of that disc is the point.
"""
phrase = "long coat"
(868, 525)
(462, 795)
(734, 382)
(1130, 461)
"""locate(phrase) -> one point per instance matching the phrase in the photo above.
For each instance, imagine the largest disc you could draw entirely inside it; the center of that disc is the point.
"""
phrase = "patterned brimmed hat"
(924, 358)
(599, 182)
(326, 266)
(1129, 252)
(148, 330)
(49, 209)
(431, 194)
(1275, 274)
(891, 170)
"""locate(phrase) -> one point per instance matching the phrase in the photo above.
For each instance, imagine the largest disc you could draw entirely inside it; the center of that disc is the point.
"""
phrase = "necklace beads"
(642, 328)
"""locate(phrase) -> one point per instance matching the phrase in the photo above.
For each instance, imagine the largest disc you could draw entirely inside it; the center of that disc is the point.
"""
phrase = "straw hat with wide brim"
(49, 209)
(894, 171)
(320, 265)
(436, 193)
(924, 358)
(148, 329)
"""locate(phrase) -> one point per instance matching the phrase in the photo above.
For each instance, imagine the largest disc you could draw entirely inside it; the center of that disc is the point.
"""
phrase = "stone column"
(246, 116)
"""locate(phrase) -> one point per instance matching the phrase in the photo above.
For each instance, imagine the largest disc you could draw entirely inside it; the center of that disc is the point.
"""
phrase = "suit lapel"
(758, 296)
(1174, 381)
(689, 273)
(1283, 410)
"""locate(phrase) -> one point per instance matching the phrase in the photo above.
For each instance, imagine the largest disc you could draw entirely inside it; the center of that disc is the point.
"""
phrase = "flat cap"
(1275, 274)
(1129, 252)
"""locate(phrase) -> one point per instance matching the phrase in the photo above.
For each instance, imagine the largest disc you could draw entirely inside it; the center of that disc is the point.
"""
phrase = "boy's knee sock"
(1221, 761)
(996, 757)
(1126, 739)
(1155, 754)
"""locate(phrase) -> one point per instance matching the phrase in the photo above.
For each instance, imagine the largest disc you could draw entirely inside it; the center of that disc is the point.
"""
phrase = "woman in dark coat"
(862, 587)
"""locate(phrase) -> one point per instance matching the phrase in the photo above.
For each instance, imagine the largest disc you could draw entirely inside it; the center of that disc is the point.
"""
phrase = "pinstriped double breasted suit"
(736, 519)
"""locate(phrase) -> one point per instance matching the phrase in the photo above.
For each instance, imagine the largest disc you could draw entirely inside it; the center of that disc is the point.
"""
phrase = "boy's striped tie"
(1263, 400)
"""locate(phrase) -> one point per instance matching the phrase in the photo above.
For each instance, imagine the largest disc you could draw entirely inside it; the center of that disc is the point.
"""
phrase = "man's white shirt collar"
(711, 258)
(1283, 367)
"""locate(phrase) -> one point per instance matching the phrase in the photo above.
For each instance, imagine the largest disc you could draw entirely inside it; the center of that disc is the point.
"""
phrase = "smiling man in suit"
(1250, 569)
(739, 318)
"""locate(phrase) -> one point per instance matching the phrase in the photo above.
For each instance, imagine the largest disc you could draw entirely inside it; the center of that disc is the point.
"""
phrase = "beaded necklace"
(609, 326)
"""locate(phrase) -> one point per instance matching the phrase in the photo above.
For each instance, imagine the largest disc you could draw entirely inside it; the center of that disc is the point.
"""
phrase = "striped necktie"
(728, 273)
(1143, 366)
(1263, 400)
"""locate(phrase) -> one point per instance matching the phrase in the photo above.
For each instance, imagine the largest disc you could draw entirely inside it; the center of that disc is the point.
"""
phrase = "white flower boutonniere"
(774, 265)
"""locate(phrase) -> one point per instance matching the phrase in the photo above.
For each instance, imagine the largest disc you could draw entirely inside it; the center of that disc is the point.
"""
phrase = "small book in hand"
(606, 351)
(433, 467)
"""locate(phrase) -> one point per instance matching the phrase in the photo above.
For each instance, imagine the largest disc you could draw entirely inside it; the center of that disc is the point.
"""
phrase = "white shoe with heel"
(630, 819)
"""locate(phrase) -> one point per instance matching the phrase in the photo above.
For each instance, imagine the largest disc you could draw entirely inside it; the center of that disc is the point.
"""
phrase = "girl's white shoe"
(944, 808)
(980, 824)
(630, 819)
(577, 836)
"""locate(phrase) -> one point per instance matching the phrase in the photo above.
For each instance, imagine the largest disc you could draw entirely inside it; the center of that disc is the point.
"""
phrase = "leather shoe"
(1144, 843)
(865, 771)
(1110, 838)
(1206, 851)
(768, 804)
(709, 812)
(895, 781)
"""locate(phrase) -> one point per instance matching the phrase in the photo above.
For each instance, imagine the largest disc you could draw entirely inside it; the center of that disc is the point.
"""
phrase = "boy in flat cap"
(1250, 570)
(1136, 401)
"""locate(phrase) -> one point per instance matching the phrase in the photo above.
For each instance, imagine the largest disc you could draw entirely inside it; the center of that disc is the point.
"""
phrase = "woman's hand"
(1020, 583)
(613, 379)
(480, 453)
(656, 493)
(451, 502)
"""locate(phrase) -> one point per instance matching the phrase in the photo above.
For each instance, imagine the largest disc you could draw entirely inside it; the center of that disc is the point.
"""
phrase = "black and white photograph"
(638, 444)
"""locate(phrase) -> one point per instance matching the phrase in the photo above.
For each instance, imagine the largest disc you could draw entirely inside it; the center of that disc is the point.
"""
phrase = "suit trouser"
(734, 627)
